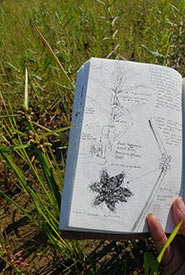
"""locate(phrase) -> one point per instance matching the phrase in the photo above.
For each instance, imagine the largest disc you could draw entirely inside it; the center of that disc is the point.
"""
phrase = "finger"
(178, 210)
(159, 237)
(175, 268)
(177, 264)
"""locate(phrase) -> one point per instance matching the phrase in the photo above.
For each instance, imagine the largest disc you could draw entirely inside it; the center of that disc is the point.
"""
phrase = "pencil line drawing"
(164, 166)
(116, 103)
(118, 113)
(94, 151)
(110, 190)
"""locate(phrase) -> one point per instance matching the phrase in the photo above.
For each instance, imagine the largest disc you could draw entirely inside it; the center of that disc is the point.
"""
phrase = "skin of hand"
(173, 261)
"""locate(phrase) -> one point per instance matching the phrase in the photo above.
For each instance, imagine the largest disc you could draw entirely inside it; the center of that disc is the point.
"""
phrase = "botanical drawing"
(163, 167)
(118, 114)
(110, 190)
(124, 98)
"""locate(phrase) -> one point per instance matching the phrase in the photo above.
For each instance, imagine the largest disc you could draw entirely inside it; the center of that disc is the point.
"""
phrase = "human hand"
(173, 261)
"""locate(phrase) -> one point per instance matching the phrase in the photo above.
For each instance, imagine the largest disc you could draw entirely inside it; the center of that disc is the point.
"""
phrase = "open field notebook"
(125, 152)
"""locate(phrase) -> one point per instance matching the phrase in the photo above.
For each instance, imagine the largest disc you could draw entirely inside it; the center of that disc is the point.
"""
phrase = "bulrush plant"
(24, 143)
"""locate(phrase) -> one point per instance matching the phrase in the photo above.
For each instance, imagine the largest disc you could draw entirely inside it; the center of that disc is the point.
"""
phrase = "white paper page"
(183, 123)
(130, 153)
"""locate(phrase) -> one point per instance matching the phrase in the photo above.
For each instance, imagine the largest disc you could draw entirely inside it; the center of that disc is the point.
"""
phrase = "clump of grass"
(33, 150)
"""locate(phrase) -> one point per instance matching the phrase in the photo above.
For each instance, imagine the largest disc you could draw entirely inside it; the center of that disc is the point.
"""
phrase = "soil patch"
(22, 236)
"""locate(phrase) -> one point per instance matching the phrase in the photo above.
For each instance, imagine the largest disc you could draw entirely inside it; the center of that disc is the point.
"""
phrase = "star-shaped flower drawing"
(110, 191)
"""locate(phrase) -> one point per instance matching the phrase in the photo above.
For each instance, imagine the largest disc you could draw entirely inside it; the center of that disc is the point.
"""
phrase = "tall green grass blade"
(49, 177)
(56, 170)
(7, 112)
(19, 175)
(150, 264)
(170, 239)
(14, 168)
(14, 147)
(24, 211)
(41, 126)
(100, 2)
(8, 116)
(11, 65)
(26, 158)
(26, 90)
(19, 133)
(56, 131)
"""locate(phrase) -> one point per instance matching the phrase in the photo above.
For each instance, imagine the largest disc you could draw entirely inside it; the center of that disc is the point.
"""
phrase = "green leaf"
(56, 131)
(26, 90)
(47, 172)
(150, 264)
(23, 210)
(8, 116)
(155, 54)
(19, 132)
(11, 65)
(170, 239)
(14, 147)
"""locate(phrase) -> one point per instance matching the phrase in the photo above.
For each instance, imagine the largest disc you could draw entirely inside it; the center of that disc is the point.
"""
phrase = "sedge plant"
(25, 143)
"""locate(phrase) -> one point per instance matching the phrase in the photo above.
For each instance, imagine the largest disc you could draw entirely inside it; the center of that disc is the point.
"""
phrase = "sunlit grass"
(146, 31)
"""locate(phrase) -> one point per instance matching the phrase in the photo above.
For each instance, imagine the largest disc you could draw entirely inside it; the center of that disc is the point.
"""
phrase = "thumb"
(178, 210)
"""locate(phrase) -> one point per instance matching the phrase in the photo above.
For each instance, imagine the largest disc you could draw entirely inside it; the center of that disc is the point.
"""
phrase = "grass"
(42, 45)
(134, 30)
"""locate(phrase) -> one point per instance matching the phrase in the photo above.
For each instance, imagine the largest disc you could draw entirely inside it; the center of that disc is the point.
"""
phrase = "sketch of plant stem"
(163, 167)
(119, 116)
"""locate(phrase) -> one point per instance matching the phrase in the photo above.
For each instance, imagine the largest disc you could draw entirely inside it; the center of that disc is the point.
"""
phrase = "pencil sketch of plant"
(163, 167)
(110, 191)
(117, 101)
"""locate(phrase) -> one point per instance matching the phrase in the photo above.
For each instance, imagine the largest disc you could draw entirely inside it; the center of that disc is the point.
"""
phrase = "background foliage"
(34, 137)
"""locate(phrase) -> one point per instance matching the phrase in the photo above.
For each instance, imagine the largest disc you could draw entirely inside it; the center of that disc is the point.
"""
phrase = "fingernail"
(180, 205)
(150, 219)
(149, 215)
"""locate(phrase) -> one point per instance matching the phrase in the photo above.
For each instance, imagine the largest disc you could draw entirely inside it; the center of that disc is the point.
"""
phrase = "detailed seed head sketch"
(165, 159)
(164, 164)
(110, 190)
(163, 167)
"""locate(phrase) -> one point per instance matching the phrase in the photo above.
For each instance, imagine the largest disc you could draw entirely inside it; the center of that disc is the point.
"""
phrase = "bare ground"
(101, 257)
